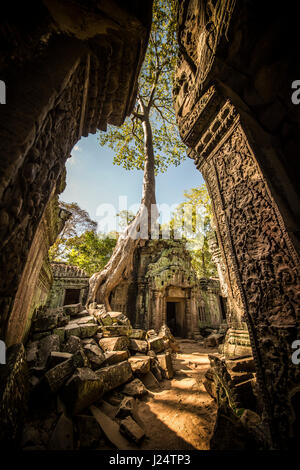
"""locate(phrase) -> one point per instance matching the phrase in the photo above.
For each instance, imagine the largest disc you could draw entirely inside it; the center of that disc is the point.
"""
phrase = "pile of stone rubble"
(87, 368)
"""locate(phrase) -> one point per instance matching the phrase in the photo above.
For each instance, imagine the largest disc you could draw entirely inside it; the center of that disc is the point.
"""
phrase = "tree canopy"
(197, 208)
(154, 98)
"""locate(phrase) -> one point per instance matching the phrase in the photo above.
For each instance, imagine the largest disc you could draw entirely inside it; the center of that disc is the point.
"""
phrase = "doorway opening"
(72, 296)
(175, 318)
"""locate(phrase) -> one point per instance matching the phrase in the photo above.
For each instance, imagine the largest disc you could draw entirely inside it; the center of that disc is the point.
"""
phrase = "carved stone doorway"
(72, 296)
(175, 317)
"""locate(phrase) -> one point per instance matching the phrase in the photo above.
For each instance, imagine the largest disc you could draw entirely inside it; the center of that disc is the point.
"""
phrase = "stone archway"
(69, 69)
(230, 115)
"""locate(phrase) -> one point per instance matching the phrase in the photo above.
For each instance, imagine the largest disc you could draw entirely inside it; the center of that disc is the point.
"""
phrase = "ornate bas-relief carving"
(262, 265)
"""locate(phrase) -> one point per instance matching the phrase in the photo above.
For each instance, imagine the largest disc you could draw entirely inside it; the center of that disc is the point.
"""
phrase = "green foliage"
(125, 217)
(154, 101)
(197, 203)
(78, 222)
(89, 251)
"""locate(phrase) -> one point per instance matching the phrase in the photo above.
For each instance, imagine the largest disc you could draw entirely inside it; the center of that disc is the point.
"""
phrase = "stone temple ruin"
(71, 68)
(164, 289)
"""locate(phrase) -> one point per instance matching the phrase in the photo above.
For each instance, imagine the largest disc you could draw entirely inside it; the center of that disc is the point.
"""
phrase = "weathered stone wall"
(234, 110)
(163, 273)
(69, 68)
(67, 277)
(37, 277)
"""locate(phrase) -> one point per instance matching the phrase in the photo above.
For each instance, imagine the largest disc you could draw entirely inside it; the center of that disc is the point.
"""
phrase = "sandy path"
(181, 415)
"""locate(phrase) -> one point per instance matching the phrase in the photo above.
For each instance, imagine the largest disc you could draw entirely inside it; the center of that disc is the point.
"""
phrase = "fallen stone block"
(241, 365)
(72, 309)
(72, 329)
(111, 429)
(104, 319)
(88, 330)
(72, 345)
(47, 345)
(126, 407)
(165, 362)
(95, 355)
(32, 353)
(137, 334)
(61, 333)
(118, 317)
(89, 431)
(63, 435)
(44, 323)
(81, 390)
(130, 429)
(157, 371)
(140, 365)
(135, 388)
(150, 382)
(138, 345)
(86, 319)
(56, 358)
(113, 357)
(115, 375)
(55, 378)
(115, 330)
(119, 343)
(156, 344)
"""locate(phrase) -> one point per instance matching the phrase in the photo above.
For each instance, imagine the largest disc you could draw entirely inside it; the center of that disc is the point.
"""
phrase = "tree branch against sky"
(148, 140)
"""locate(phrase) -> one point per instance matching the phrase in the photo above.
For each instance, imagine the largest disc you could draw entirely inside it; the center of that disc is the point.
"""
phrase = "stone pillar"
(194, 315)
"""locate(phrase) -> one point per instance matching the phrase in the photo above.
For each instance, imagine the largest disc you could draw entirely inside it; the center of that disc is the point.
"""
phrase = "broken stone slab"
(120, 319)
(55, 378)
(150, 382)
(88, 330)
(138, 345)
(111, 429)
(135, 388)
(63, 435)
(156, 344)
(241, 365)
(32, 353)
(137, 334)
(165, 362)
(140, 365)
(72, 329)
(126, 407)
(95, 355)
(81, 390)
(115, 330)
(104, 319)
(130, 429)
(60, 332)
(157, 371)
(86, 319)
(238, 377)
(119, 343)
(56, 357)
(113, 357)
(72, 345)
(115, 375)
(44, 323)
(73, 309)
(89, 431)
(47, 345)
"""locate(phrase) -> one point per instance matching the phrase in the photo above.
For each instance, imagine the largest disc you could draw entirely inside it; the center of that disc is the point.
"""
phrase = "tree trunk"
(120, 264)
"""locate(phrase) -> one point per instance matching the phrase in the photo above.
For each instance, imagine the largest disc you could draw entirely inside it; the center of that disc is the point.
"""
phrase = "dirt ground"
(181, 415)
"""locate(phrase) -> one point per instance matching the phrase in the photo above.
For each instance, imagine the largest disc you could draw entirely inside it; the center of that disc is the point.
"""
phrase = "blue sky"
(92, 179)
